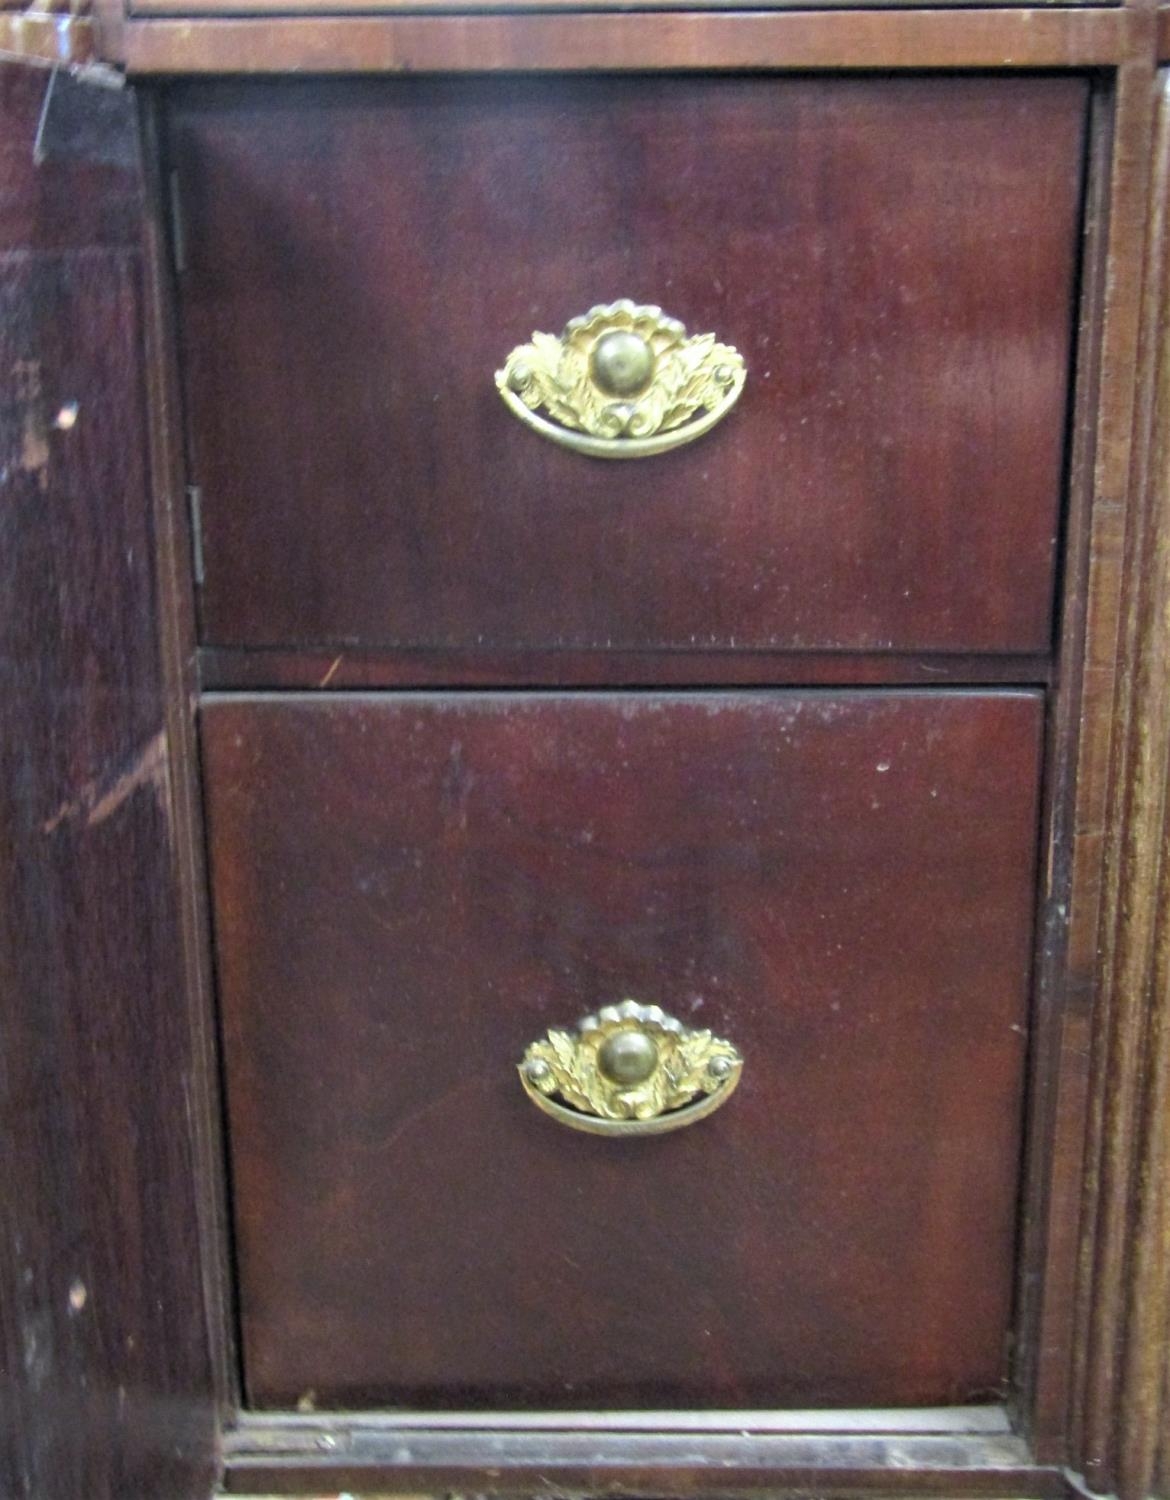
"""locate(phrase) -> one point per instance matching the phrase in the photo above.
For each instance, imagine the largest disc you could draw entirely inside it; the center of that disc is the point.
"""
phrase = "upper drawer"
(894, 258)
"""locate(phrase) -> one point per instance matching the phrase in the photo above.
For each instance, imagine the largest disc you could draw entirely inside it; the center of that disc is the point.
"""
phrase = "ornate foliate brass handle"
(622, 382)
(630, 1070)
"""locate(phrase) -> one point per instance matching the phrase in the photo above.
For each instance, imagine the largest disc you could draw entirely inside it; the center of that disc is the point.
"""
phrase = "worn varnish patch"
(103, 1341)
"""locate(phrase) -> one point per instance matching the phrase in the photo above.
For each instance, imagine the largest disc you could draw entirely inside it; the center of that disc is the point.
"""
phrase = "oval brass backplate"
(630, 1070)
(623, 381)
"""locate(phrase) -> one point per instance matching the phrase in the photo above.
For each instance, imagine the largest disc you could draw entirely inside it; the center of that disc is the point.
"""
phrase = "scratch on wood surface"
(24, 438)
(98, 800)
(34, 450)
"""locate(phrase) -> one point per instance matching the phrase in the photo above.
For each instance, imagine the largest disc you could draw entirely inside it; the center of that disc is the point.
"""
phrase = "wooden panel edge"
(190, 9)
(711, 41)
(176, 644)
(1058, 1075)
(228, 669)
(302, 1431)
(107, 1385)
(292, 1457)
(45, 39)
(1125, 1397)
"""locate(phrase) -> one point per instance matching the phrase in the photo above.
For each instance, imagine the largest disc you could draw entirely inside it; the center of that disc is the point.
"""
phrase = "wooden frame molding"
(792, 40)
(132, 1257)
(270, 9)
(48, 36)
(107, 1375)
(1124, 1395)
(1110, 944)
(590, 1452)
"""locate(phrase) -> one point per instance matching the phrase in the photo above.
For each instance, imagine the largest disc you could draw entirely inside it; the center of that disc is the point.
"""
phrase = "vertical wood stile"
(1144, 1408)
(1122, 1326)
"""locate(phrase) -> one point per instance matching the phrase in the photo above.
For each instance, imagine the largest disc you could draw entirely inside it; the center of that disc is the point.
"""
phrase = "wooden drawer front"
(893, 257)
(409, 890)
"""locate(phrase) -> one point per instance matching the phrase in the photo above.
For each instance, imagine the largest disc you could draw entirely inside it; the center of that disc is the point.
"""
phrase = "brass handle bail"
(623, 381)
(630, 1070)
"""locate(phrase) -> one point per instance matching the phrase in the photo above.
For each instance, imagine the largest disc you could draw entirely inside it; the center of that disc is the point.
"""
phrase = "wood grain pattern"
(178, 654)
(73, 200)
(68, 1428)
(1029, 37)
(1096, 891)
(104, 1347)
(1125, 1391)
(45, 40)
(897, 272)
(408, 890)
(275, 9)
(1058, 1094)
(1089, 709)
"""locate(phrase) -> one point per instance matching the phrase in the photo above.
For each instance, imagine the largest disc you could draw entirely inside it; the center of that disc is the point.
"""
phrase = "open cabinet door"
(103, 1339)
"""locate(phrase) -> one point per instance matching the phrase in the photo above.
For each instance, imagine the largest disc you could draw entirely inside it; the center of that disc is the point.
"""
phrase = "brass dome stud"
(622, 363)
(628, 1057)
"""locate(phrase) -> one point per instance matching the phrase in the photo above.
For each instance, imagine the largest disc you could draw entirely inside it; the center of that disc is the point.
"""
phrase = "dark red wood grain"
(408, 890)
(87, 187)
(894, 256)
(105, 1379)
(884, 38)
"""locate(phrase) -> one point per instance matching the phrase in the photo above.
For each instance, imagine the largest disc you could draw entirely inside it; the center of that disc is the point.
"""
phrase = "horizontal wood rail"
(712, 41)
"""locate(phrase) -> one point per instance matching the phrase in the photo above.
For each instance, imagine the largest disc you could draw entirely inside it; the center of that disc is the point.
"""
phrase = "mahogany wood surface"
(276, 9)
(1063, 994)
(105, 1387)
(90, 195)
(101, 1087)
(408, 890)
(1007, 38)
(1122, 1391)
(895, 258)
(1073, 1399)
(175, 573)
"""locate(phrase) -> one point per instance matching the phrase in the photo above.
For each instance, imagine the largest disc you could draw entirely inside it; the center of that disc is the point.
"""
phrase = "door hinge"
(178, 227)
(195, 515)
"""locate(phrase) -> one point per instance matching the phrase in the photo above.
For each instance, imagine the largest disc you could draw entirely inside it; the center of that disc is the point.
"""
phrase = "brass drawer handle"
(630, 1070)
(622, 382)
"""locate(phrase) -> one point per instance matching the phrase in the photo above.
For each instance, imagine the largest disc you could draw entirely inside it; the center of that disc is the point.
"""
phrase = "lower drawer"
(409, 890)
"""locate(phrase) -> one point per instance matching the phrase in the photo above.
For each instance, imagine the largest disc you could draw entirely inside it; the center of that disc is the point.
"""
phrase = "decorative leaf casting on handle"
(622, 382)
(630, 1070)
